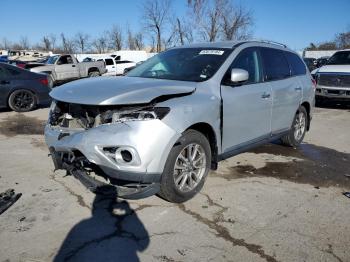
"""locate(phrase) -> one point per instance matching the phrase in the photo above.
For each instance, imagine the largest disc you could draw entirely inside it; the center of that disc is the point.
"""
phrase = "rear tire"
(94, 74)
(186, 168)
(22, 100)
(298, 130)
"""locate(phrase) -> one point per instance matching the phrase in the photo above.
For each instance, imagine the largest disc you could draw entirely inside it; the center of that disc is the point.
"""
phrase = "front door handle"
(5, 82)
(297, 89)
(265, 95)
(73, 65)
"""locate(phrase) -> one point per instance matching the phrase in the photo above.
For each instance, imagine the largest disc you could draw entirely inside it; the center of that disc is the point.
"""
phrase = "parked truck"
(64, 68)
(116, 67)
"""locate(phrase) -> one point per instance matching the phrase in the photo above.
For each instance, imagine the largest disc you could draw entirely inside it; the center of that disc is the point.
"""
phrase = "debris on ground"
(7, 199)
(347, 194)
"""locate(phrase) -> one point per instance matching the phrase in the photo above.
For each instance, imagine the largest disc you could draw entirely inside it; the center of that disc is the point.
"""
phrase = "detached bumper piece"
(80, 168)
(7, 199)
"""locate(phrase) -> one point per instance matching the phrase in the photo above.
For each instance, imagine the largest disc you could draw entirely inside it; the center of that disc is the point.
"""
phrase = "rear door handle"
(4, 82)
(265, 95)
(297, 89)
(73, 65)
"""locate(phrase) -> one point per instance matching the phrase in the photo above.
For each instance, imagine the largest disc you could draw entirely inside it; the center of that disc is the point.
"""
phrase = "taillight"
(44, 81)
(314, 83)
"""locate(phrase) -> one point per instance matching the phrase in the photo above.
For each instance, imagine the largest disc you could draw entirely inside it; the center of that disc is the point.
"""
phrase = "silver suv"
(161, 128)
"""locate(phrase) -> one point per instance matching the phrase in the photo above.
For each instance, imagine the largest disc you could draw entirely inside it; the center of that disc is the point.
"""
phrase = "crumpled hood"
(119, 90)
(332, 69)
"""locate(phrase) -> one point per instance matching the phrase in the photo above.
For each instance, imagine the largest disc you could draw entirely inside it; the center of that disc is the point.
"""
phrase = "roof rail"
(269, 42)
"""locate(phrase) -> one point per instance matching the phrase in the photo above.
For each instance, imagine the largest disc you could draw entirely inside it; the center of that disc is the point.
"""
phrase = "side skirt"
(251, 144)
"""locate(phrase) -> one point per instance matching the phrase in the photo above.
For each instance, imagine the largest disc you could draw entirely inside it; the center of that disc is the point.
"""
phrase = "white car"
(333, 79)
(116, 67)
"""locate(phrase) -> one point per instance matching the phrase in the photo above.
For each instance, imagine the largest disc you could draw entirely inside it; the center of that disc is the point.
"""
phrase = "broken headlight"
(140, 115)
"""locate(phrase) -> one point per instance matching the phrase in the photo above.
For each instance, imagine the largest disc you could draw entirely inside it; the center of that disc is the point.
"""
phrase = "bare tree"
(53, 39)
(139, 44)
(207, 16)
(6, 44)
(155, 18)
(342, 40)
(67, 44)
(131, 40)
(236, 21)
(24, 43)
(81, 41)
(116, 37)
(153, 44)
(46, 43)
(215, 19)
(182, 31)
(101, 43)
(327, 46)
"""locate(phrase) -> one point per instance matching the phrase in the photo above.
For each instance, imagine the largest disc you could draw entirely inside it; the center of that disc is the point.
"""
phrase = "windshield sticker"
(211, 52)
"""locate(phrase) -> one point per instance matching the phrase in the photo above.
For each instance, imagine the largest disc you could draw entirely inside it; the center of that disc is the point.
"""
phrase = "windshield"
(340, 58)
(184, 64)
(52, 59)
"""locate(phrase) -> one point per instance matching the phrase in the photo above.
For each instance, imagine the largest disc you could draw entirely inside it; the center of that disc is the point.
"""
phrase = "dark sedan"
(22, 90)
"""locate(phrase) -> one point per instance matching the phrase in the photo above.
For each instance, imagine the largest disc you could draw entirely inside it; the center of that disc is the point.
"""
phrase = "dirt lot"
(271, 204)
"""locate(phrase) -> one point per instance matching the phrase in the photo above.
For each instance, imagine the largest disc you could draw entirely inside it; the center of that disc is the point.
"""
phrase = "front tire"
(22, 100)
(298, 130)
(186, 168)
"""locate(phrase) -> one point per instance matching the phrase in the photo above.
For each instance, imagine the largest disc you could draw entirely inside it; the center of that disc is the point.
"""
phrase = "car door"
(286, 90)
(246, 107)
(110, 66)
(66, 69)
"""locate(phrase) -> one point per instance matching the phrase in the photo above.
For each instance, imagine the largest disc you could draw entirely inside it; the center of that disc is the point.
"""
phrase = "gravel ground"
(270, 204)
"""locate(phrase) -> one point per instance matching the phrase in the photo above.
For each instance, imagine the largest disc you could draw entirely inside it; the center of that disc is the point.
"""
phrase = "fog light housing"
(127, 156)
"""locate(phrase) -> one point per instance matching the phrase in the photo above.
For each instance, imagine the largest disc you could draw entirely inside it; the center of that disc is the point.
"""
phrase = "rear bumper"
(43, 95)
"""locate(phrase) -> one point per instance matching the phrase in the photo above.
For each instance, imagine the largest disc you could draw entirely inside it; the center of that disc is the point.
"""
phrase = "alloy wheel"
(299, 126)
(23, 100)
(190, 166)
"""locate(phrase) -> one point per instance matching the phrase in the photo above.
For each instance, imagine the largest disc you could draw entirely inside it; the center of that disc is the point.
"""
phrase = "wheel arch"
(93, 69)
(208, 131)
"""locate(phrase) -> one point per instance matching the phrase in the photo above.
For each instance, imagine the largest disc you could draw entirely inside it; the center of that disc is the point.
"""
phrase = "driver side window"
(66, 59)
(249, 60)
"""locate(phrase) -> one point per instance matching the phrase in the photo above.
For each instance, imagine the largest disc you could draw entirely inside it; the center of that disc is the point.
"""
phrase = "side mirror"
(239, 76)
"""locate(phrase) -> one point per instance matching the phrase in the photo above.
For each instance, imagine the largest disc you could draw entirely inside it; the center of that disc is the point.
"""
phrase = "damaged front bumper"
(98, 151)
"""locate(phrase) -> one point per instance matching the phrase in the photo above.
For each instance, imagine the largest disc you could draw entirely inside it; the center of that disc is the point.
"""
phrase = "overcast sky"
(293, 22)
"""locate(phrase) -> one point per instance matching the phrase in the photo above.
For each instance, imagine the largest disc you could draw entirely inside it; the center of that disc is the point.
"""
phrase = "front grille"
(334, 80)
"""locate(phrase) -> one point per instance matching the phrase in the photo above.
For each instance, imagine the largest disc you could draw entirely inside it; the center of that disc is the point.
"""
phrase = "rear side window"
(275, 64)
(297, 67)
(109, 62)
